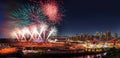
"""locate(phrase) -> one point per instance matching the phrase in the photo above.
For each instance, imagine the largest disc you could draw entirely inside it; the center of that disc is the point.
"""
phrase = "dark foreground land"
(113, 53)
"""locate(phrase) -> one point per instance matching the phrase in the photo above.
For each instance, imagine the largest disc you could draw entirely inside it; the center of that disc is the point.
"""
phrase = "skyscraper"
(76, 36)
(116, 35)
(108, 35)
(97, 35)
(101, 36)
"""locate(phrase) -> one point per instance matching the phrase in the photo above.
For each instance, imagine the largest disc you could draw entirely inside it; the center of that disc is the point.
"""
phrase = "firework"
(28, 14)
(52, 32)
(28, 34)
(51, 10)
(36, 22)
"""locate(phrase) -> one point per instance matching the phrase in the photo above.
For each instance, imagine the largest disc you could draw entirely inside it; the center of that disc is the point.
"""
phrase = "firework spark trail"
(43, 27)
(34, 33)
(52, 31)
(15, 34)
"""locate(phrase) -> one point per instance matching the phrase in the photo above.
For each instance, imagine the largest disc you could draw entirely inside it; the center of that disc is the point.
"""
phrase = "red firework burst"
(51, 10)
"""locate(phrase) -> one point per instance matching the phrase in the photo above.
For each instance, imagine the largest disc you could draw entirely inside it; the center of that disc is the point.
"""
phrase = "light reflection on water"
(92, 56)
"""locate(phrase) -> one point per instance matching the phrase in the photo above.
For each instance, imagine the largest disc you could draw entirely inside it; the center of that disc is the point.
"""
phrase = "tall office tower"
(82, 37)
(90, 37)
(87, 36)
(116, 35)
(108, 35)
(76, 37)
(97, 35)
(101, 36)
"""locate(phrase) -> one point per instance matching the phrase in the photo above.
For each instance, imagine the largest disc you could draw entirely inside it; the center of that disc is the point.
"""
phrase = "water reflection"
(102, 55)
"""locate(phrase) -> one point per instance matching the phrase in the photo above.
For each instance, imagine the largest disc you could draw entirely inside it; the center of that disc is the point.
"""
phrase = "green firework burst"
(28, 14)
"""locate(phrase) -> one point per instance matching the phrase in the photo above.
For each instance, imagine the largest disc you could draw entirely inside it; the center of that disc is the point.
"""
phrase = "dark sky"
(1, 17)
(88, 16)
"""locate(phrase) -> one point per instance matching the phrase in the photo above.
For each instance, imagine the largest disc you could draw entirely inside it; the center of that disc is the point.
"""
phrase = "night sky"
(1, 17)
(86, 16)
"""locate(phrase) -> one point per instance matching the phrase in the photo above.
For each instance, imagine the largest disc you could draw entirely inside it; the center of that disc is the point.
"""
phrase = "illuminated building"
(108, 35)
(97, 34)
(87, 36)
(116, 35)
(82, 37)
(101, 36)
(76, 37)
